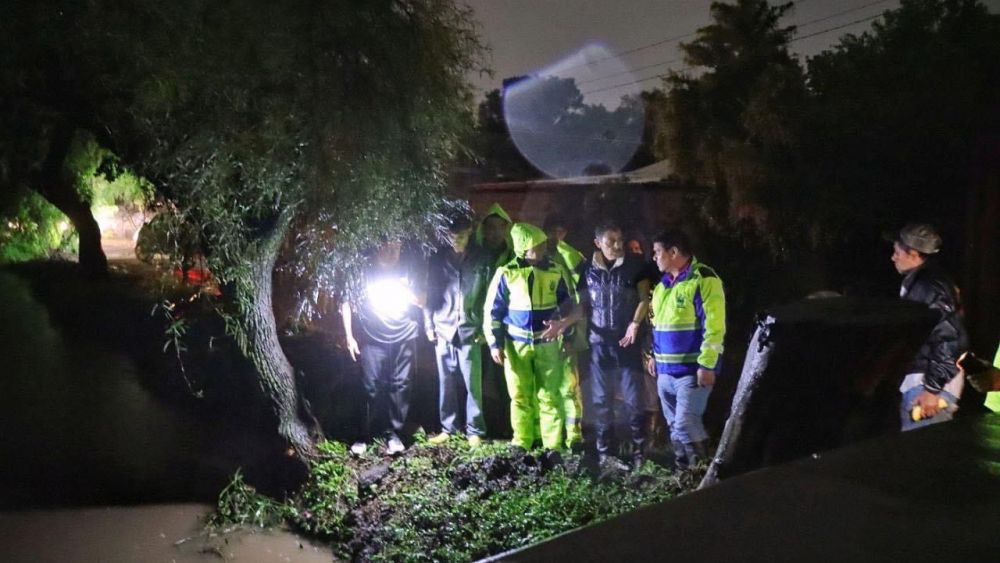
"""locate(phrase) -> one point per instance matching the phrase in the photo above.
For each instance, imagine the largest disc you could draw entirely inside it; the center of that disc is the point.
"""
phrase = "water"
(78, 428)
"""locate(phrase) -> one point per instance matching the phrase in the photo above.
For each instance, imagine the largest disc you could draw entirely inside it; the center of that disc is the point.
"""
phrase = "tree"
(495, 151)
(317, 127)
(48, 95)
(737, 123)
(905, 128)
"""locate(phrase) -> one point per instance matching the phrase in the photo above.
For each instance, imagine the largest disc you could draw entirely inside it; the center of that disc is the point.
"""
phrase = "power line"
(679, 59)
(800, 38)
(647, 46)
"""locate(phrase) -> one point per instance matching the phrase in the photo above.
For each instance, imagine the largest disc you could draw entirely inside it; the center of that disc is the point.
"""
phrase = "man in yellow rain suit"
(528, 306)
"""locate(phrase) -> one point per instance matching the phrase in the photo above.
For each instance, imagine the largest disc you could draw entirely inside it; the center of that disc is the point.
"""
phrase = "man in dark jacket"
(453, 319)
(617, 294)
(932, 386)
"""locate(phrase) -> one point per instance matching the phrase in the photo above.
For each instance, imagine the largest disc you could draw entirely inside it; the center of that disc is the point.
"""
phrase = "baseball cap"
(920, 237)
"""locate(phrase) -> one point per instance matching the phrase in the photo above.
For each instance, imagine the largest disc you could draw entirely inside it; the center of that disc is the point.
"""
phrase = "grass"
(447, 502)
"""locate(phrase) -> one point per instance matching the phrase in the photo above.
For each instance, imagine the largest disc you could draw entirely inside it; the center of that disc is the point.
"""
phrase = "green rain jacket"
(486, 264)
(993, 397)
(689, 321)
(478, 239)
(574, 263)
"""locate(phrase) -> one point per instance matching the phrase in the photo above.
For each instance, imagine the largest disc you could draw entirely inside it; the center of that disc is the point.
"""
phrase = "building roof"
(660, 172)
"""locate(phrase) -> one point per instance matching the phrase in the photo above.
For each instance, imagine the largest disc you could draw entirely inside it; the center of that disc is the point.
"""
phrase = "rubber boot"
(638, 459)
(697, 452)
(680, 455)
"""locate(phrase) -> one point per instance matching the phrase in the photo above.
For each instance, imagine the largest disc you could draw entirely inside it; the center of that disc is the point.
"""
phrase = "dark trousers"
(496, 398)
(388, 372)
(612, 368)
(460, 388)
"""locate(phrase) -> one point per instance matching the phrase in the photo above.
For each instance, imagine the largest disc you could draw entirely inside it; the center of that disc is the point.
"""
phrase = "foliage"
(495, 152)
(453, 503)
(32, 228)
(241, 504)
(737, 124)
(340, 115)
(902, 119)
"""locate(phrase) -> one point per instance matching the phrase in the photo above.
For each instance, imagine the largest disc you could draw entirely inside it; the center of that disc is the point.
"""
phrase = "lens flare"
(566, 130)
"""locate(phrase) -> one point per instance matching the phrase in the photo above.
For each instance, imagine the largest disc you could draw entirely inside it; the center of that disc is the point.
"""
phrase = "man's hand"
(651, 366)
(928, 403)
(554, 329)
(497, 355)
(352, 347)
(630, 335)
(706, 377)
(430, 335)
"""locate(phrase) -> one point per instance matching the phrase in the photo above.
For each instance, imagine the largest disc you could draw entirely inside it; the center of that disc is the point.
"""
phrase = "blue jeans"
(906, 405)
(683, 406)
(460, 379)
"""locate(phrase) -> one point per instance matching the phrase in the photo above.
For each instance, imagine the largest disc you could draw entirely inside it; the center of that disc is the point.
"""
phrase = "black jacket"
(936, 358)
(455, 293)
(613, 297)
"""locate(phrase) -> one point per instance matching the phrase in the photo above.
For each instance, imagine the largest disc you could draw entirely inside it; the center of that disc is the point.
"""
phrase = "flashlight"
(390, 298)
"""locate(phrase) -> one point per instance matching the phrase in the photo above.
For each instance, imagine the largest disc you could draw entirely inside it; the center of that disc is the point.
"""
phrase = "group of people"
(513, 298)
(514, 301)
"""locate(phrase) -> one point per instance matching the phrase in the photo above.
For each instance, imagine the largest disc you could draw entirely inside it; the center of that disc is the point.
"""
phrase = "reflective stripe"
(673, 327)
(676, 358)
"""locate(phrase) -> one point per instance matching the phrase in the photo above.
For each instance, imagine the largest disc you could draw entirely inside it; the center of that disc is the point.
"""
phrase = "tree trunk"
(54, 184)
(258, 339)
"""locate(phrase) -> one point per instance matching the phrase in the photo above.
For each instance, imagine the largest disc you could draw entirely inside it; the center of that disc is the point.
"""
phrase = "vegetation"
(306, 130)
(31, 227)
(446, 503)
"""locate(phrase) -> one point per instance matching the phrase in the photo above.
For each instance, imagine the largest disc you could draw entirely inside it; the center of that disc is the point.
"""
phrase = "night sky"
(529, 35)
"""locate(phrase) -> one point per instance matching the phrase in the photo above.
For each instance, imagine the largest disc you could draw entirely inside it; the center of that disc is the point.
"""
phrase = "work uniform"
(454, 313)
(520, 299)
(574, 262)
(689, 324)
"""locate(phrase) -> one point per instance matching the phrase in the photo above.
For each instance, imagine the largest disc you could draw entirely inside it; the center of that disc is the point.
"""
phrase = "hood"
(526, 236)
(494, 209)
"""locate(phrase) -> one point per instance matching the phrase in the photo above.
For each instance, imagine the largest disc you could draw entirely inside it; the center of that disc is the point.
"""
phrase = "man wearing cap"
(528, 306)
(932, 386)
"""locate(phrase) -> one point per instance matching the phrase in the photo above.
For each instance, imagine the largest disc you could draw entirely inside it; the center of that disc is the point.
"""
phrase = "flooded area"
(78, 426)
(81, 434)
(143, 534)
